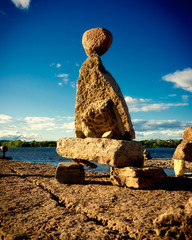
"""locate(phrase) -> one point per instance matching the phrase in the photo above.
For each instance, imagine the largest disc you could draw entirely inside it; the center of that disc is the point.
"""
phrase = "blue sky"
(41, 54)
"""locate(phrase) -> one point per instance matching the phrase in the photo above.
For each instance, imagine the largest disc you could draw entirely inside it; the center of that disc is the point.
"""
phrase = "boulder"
(68, 172)
(187, 134)
(183, 152)
(97, 92)
(97, 40)
(133, 177)
(102, 150)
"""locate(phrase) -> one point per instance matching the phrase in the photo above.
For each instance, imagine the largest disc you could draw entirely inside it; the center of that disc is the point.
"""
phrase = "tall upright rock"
(100, 106)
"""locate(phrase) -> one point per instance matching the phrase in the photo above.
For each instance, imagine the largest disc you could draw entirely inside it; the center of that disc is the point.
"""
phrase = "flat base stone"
(133, 177)
(68, 172)
(112, 152)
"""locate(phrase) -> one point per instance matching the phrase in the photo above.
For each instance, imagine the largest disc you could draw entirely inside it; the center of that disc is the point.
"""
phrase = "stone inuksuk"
(183, 153)
(104, 131)
(4, 149)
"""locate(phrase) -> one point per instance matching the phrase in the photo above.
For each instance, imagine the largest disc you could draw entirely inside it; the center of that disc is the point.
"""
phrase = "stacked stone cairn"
(183, 153)
(104, 131)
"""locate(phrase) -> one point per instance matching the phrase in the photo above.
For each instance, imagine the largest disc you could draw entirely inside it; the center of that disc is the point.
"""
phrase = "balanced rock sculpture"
(104, 131)
(183, 153)
(100, 106)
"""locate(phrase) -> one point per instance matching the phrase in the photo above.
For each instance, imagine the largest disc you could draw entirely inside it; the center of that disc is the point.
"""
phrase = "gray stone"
(133, 177)
(68, 172)
(102, 150)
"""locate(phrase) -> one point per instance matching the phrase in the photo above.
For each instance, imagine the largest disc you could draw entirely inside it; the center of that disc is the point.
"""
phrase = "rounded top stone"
(97, 40)
(187, 134)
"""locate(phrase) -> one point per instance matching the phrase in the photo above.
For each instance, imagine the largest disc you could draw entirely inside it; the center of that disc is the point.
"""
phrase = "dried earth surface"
(33, 205)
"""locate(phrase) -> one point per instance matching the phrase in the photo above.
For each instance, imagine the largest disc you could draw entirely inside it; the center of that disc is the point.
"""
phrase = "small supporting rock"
(179, 167)
(68, 172)
(145, 177)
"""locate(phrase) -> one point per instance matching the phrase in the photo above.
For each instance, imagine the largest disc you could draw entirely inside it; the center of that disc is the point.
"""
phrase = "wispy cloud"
(164, 129)
(30, 128)
(39, 123)
(5, 118)
(63, 75)
(2, 12)
(65, 78)
(144, 105)
(15, 135)
(135, 101)
(172, 95)
(181, 79)
(22, 4)
(185, 98)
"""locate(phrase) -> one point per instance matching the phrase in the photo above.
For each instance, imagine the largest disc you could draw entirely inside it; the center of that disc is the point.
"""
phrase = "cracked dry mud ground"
(33, 205)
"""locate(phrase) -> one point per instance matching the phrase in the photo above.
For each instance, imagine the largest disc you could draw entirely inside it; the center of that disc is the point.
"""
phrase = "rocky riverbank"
(33, 205)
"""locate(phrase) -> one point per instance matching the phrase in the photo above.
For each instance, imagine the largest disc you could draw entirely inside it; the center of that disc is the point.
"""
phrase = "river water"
(49, 156)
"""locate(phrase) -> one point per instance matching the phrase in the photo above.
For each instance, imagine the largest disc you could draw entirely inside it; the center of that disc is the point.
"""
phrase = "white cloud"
(58, 65)
(39, 123)
(65, 80)
(172, 95)
(60, 118)
(5, 118)
(22, 4)
(70, 125)
(60, 84)
(72, 84)
(156, 107)
(38, 119)
(15, 135)
(142, 105)
(163, 129)
(185, 98)
(63, 75)
(181, 79)
(133, 101)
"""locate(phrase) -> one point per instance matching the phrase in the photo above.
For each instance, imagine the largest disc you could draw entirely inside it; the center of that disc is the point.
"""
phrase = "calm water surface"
(49, 156)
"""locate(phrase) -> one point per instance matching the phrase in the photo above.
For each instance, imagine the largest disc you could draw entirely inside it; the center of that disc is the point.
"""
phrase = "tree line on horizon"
(156, 143)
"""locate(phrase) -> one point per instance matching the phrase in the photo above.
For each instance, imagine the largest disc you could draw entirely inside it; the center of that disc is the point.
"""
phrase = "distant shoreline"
(157, 143)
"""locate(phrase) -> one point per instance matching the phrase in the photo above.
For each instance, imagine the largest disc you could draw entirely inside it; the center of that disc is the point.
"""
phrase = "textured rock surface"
(95, 84)
(102, 150)
(179, 167)
(183, 151)
(34, 205)
(145, 177)
(187, 134)
(68, 172)
(176, 223)
(101, 117)
(97, 40)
